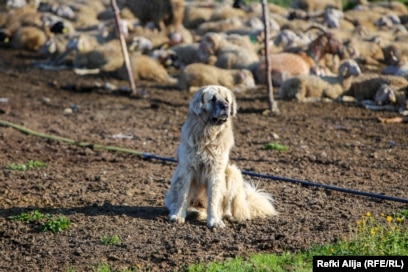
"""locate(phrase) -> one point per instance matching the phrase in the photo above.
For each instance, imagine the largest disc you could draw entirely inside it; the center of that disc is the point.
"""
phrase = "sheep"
(316, 5)
(309, 88)
(51, 50)
(224, 11)
(61, 10)
(186, 54)
(283, 66)
(288, 38)
(220, 26)
(365, 86)
(369, 53)
(198, 74)
(23, 28)
(167, 15)
(146, 68)
(86, 13)
(195, 15)
(92, 57)
(29, 38)
(297, 62)
(215, 47)
(387, 99)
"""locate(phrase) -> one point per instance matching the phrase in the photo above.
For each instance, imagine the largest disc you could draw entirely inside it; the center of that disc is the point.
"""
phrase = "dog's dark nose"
(223, 105)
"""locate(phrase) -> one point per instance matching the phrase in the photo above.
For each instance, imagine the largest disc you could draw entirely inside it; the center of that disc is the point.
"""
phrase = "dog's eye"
(213, 99)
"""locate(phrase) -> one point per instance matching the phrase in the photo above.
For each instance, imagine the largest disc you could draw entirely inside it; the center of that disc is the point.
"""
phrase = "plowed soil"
(106, 193)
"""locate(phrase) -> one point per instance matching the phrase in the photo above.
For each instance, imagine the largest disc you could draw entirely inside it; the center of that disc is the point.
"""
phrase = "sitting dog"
(204, 176)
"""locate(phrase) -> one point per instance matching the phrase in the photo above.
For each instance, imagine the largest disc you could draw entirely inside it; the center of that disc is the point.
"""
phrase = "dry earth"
(111, 193)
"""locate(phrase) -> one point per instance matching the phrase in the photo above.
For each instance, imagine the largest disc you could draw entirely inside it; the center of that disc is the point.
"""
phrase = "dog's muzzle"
(221, 112)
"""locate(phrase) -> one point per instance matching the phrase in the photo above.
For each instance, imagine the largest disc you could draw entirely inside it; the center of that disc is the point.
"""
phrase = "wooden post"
(273, 105)
(124, 49)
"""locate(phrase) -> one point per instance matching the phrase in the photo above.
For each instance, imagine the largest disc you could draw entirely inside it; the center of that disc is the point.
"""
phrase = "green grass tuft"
(31, 164)
(110, 240)
(31, 217)
(57, 224)
(275, 146)
(46, 221)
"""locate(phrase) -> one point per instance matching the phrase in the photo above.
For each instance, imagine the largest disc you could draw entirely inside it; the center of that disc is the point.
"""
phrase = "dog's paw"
(176, 219)
(215, 224)
(228, 217)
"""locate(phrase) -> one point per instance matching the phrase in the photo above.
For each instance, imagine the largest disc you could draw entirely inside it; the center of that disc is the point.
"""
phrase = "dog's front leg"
(177, 197)
(216, 192)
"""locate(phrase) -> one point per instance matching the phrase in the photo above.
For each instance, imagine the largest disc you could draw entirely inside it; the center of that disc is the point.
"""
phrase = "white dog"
(204, 175)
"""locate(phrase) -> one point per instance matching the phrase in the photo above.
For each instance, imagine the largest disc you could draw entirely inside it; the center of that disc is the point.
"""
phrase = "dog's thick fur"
(204, 175)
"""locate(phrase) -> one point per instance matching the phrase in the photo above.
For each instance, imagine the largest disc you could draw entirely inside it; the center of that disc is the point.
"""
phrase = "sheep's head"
(349, 68)
(209, 45)
(385, 94)
(391, 55)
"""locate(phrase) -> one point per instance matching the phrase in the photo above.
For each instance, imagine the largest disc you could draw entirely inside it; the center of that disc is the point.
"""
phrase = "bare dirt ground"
(111, 193)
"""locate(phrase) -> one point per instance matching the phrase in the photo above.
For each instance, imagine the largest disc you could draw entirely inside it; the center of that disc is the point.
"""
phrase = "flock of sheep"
(319, 50)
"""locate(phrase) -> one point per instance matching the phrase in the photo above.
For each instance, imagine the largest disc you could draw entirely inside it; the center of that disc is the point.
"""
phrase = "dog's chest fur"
(205, 148)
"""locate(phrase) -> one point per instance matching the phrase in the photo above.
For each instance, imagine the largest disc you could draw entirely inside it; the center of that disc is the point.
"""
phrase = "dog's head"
(214, 104)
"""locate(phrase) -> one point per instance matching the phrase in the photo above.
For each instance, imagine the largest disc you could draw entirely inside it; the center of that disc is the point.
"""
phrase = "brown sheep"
(197, 75)
(297, 62)
(283, 66)
(29, 38)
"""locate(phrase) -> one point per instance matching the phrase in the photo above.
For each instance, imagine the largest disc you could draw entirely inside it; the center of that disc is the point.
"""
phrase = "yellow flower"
(382, 215)
(398, 219)
(389, 218)
(372, 232)
(332, 250)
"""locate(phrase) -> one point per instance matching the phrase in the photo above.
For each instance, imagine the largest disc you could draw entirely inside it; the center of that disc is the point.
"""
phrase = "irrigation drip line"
(148, 156)
(302, 182)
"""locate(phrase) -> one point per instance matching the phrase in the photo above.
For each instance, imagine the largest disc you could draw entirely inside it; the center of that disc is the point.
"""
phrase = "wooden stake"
(124, 49)
(273, 105)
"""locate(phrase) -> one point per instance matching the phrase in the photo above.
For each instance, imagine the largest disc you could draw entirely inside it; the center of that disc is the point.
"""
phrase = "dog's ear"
(197, 103)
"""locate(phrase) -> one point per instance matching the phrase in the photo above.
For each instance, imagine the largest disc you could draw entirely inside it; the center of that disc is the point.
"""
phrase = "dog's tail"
(261, 203)
(246, 201)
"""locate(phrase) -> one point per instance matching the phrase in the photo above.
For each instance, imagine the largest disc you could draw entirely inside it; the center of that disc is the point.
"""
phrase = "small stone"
(68, 111)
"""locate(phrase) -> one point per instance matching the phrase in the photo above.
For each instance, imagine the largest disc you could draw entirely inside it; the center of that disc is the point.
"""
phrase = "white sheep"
(196, 75)
(310, 88)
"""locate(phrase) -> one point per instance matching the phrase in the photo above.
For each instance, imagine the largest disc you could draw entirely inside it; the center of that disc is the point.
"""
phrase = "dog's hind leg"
(177, 199)
(237, 206)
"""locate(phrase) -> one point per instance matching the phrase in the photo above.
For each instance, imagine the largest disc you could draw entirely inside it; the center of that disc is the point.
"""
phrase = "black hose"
(302, 182)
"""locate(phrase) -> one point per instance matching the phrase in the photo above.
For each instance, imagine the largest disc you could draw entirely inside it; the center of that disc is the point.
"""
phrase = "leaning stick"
(273, 105)
(70, 141)
(124, 48)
